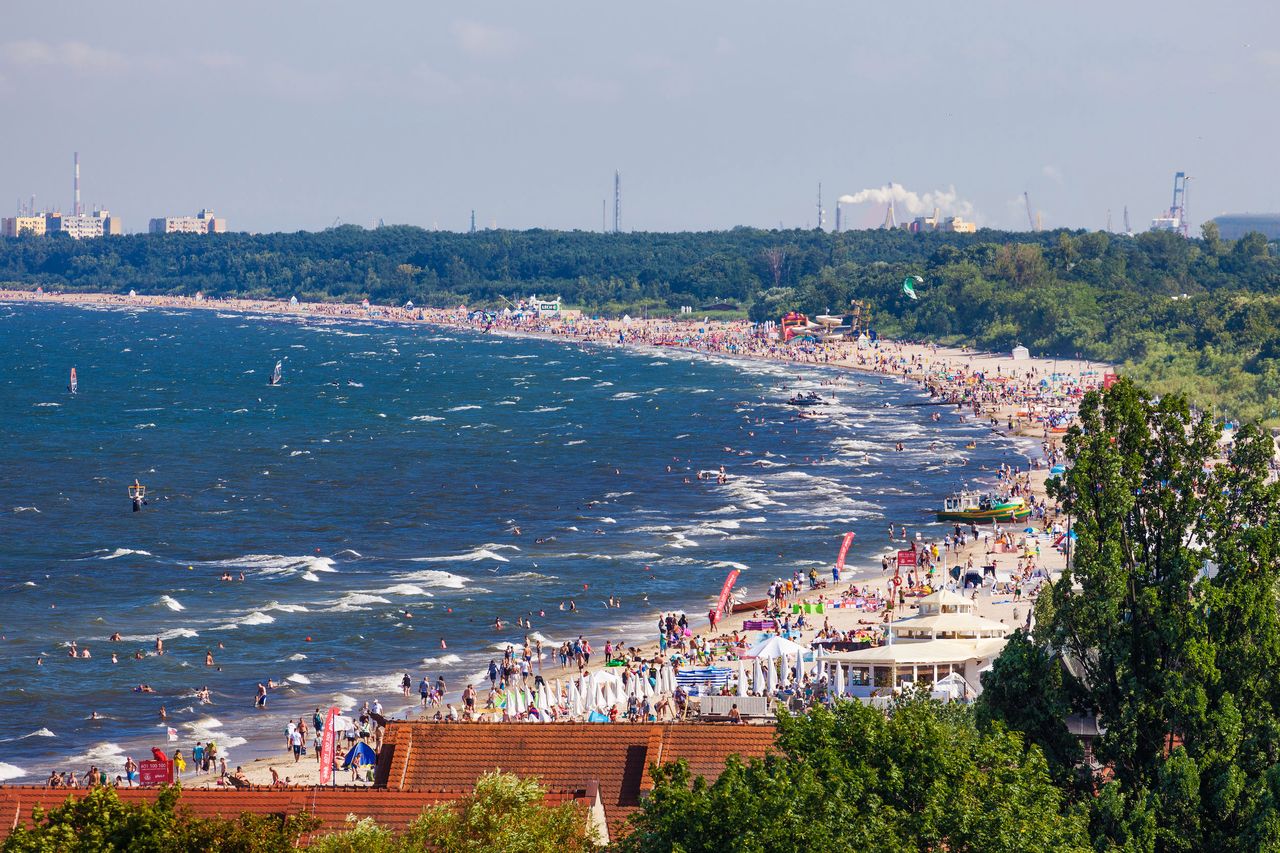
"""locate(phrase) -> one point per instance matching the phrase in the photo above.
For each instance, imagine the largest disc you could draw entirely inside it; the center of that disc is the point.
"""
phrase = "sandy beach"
(1017, 400)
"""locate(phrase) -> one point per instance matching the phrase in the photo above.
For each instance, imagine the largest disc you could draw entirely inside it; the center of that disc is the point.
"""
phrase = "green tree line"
(1192, 315)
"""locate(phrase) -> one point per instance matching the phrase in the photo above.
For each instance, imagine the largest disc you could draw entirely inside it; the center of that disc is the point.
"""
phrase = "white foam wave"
(298, 678)
(296, 656)
(404, 589)
(171, 634)
(443, 660)
(435, 577)
(276, 564)
(257, 617)
(10, 771)
(575, 378)
(170, 602)
(425, 418)
(461, 408)
(484, 552)
(286, 608)
(124, 552)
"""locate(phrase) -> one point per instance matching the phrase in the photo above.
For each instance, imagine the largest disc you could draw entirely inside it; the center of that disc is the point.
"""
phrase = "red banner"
(844, 549)
(906, 558)
(724, 590)
(152, 772)
(328, 743)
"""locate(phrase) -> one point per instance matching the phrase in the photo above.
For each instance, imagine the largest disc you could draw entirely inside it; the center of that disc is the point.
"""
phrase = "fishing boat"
(278, 373)
(74, 384)
(972, 506)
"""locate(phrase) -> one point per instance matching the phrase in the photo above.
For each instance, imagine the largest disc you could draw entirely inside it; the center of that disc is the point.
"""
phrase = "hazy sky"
(287, 115)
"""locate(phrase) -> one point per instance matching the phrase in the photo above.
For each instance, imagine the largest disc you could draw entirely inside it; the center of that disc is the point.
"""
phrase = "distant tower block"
(890, 221)
(77, 210)
(821, 222)
(473, 222)
(617, 202)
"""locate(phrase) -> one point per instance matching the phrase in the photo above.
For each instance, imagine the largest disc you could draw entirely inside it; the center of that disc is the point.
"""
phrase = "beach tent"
(1020, 353)
(773, 647)
(367, 756)
(717, 675)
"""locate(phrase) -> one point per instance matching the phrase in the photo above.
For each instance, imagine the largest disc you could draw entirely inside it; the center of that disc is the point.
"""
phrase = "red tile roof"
(562, 755)
(424, 764)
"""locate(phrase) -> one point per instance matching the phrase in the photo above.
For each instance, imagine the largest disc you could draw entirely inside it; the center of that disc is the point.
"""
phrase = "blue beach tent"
(367, 756)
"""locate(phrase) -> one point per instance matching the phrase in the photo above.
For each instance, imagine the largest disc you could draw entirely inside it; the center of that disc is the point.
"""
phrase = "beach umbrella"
(530, 701)
(757, 676)
(770, 677)
(555, 692)
(742, 678)
(509, 701)
(670, 674)
(839, 680)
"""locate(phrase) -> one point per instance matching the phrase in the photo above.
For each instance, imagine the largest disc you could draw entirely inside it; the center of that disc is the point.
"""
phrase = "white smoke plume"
(915, 204)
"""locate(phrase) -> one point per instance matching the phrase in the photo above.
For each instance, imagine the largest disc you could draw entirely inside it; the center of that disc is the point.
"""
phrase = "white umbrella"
(839, 680)
(773, 647)
(770, 677)
(742, 678)
(574, 700)
(646, 687)
(555, 692)
(757, 676)
(668, 679)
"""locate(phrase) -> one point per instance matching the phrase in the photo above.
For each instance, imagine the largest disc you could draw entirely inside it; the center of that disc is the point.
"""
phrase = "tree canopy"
(1197, 316)
(923, 777)
(1166, 625)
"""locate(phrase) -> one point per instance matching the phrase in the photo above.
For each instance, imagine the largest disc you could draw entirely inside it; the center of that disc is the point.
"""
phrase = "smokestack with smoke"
(916, 204)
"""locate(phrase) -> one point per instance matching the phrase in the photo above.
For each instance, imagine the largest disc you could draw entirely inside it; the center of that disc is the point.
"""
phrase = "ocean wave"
(426, 418)
(572, 443)
(99, 753)
(462, 408)
(26, 509)
(171, 634)
(276, 564)
(286, 608)
(144, 426)
(404, 589)
(298, 678)
(443, 660)
(353, 599)
(543, 409)
(296, 656)
(625, 395)
(483, 552)
(10, 771)
(46, 405)
(434, 578)
(169, 602)
(730, 564)
(124, 552)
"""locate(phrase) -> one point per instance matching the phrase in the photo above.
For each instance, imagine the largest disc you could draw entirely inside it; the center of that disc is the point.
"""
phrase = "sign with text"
(152, 772)
(906, 558)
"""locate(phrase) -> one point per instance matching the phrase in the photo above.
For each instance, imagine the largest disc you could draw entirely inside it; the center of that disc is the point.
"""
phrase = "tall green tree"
(923, 777)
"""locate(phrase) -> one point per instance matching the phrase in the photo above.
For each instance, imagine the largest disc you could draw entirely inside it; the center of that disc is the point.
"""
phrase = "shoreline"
(914, 366)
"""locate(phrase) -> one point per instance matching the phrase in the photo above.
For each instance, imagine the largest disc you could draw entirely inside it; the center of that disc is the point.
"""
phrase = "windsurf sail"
(74, 384)
(278, 373)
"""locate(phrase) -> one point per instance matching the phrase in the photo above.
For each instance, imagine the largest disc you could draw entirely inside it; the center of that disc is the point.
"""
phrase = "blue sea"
(403, 486)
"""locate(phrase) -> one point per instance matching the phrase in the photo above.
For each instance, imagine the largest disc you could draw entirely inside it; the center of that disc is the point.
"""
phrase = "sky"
(287, 115)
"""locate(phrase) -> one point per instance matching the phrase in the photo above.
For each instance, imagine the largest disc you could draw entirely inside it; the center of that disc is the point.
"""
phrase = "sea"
(400, 490)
